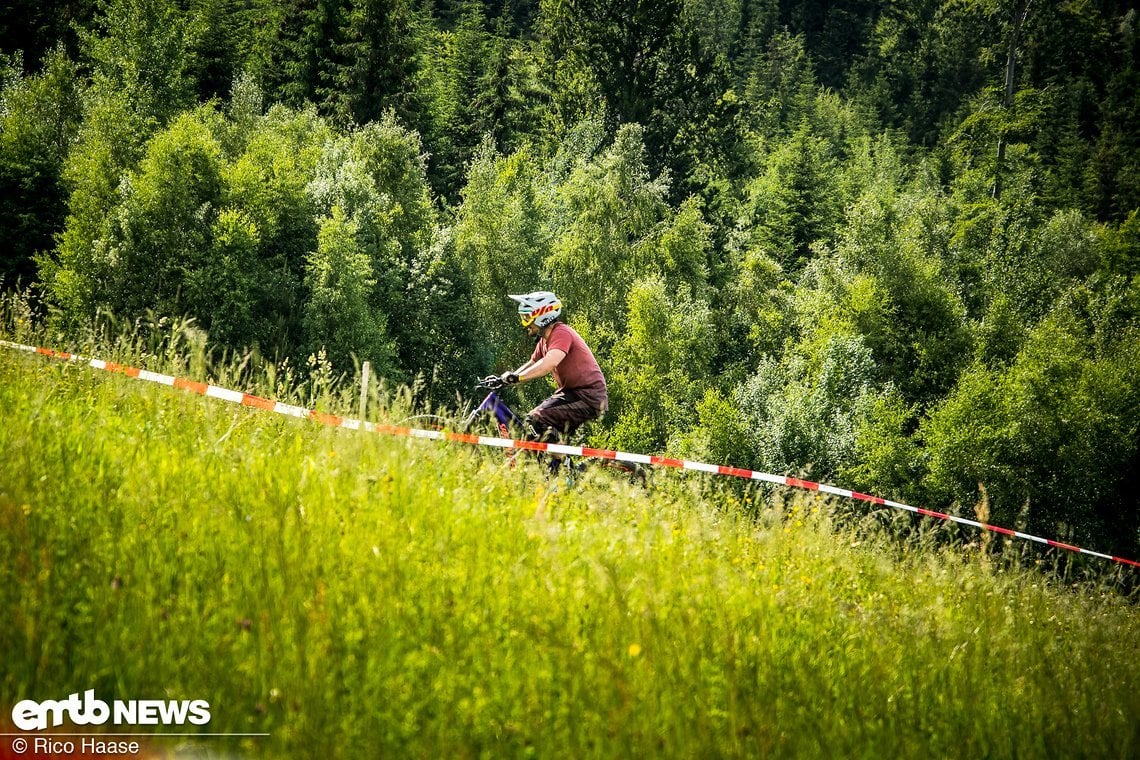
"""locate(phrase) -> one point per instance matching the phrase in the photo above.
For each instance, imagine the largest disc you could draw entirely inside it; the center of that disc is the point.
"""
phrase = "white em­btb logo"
(29, 715)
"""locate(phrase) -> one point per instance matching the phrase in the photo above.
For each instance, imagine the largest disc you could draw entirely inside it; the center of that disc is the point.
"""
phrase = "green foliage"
(340, 281)
(886, 284)
(922, 57)
(836, 33)
(443, 348)
(224, 40)
(39, 116)
(647, 64)
(719, 436)
(681, 250)
(139, 52)
(500, 238)
(1051, 438)
(373, 63)
(802, 413)
(451, 85)
(267, 179)
(160, 231)
(658, 366)
(1120, 246)
(477, 86)
(109, 140)
(138, 82)
(1026, 267)
(794, 204)
(377, 176)
(623, 45)
(604, 212)
(34, 30)
(414, 290)
(756, 314)
(887, 458)
(223, 289)
(279, 234)
(300, 50)
(781, 86)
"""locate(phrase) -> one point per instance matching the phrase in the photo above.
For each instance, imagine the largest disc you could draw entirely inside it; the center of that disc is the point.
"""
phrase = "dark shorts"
(567, 410)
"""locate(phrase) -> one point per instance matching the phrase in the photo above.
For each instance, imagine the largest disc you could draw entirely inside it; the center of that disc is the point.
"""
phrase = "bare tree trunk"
(1019, 14)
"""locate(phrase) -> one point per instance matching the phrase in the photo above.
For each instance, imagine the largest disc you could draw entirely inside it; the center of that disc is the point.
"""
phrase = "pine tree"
(373, 68)
(304, 51)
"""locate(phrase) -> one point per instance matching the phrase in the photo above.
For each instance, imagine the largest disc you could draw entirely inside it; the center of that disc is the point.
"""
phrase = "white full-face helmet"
(539, 308)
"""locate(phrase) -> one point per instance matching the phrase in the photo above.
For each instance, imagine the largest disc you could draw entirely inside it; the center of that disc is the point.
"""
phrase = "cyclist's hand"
(509, 378)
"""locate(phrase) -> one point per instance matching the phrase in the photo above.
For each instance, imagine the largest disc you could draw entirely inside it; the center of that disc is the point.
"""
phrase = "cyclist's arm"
(533, 370)
(530, 363)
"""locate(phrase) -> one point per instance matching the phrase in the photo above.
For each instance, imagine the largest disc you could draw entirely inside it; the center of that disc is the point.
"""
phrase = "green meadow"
(351, 595)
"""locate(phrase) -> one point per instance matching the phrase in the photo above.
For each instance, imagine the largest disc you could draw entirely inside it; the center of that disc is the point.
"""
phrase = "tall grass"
(358, 596)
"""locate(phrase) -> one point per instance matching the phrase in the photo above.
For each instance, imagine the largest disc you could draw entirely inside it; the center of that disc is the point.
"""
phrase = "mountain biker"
(581, 393)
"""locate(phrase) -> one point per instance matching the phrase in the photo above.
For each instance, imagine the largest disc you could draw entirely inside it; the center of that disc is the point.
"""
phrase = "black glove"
(509, 378)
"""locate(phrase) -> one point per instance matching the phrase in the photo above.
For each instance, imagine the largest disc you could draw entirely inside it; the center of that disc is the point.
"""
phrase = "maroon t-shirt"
(579, 370)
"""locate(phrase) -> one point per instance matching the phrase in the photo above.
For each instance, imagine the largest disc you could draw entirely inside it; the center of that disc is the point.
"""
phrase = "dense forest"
(890, 244)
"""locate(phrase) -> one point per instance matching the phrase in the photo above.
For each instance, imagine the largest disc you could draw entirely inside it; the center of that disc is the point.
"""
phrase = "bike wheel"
(635, 473)
(428, 422)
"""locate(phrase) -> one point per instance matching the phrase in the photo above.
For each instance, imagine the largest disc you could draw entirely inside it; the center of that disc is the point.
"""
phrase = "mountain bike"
(494, 417)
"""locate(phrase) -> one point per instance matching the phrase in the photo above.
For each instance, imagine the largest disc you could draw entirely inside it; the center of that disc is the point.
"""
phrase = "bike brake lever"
(491, 383)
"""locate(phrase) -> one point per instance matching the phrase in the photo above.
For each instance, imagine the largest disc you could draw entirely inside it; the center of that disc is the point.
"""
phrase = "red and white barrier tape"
(245, 399)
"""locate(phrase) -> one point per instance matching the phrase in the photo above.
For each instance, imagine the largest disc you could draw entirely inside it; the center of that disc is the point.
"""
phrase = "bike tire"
(636, 474)
(428, 422)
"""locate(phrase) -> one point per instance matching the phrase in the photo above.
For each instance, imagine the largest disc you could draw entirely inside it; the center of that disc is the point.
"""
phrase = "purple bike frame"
(504, 415)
